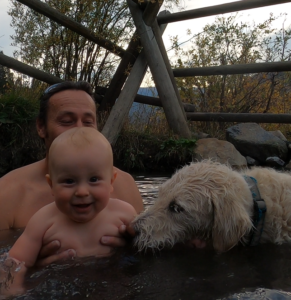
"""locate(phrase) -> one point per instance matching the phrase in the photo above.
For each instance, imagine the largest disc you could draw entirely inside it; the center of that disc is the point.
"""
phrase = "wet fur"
(210, 201)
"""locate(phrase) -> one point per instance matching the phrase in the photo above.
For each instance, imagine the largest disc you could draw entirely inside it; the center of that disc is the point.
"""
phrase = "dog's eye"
(175, 208)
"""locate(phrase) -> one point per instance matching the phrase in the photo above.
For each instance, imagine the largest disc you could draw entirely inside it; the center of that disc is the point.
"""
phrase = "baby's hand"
(49, 254)
(12, 273)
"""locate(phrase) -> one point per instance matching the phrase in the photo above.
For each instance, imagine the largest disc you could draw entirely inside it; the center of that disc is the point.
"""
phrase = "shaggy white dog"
(208, 201)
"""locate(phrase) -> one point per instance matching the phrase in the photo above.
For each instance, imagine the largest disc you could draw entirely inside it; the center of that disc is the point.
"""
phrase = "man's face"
(67, 109)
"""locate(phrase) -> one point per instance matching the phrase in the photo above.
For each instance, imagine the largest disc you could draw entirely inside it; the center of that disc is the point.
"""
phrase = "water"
(262, 272)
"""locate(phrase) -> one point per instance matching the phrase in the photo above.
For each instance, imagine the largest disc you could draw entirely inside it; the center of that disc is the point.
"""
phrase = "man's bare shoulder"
(123, 175)
(125, 188)
(22, 175)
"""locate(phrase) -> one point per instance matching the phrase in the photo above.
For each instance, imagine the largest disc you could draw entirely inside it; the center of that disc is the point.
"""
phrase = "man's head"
(81, 172)
(64, 106)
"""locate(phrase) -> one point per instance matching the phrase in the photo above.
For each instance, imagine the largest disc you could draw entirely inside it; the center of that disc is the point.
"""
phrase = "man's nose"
(79, 123)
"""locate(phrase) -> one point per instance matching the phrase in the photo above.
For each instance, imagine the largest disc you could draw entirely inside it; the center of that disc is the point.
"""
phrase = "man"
(25, 190)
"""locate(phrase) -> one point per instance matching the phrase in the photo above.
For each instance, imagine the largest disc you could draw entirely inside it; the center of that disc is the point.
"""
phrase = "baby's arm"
(28, 245)
(124, 211)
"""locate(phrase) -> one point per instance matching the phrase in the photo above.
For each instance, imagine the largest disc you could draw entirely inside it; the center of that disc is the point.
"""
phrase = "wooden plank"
(67, 22)
(18, 66)
(240, 117)
(234, 69)
(121, 74)
(217, 9)
(150, 13)
(155, 101)
(160, 43)
(122, 106)
(172, 108)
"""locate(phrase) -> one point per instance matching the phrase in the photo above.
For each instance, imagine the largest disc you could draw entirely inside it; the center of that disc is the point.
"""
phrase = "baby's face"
(81, 182)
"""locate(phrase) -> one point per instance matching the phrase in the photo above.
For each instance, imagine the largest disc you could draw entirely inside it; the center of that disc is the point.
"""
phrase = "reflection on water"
(262, 272)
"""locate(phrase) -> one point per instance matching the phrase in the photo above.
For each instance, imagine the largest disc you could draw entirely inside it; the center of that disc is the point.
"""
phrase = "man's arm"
(8, 196)
(126, 189)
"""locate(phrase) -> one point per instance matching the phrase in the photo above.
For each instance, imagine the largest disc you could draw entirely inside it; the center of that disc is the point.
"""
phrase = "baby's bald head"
(79, 138)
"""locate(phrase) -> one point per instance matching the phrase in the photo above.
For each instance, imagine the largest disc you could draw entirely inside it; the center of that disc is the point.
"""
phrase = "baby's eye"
(69, 181)
(93, 179)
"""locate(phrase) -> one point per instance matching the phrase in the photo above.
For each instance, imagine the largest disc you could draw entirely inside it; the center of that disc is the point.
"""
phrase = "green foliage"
(16, 109)
(180, 148)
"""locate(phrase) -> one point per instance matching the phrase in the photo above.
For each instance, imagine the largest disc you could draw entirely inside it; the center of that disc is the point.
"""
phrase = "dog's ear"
(231, 220)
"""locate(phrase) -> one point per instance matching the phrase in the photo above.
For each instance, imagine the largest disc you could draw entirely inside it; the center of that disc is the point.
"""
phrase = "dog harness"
(259, 211)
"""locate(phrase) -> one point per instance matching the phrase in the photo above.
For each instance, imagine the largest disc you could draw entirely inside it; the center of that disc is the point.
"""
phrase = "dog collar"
(259, 211)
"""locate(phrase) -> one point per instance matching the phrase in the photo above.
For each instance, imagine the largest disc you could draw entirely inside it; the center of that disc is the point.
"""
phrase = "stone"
(220, 151)
(250, 139)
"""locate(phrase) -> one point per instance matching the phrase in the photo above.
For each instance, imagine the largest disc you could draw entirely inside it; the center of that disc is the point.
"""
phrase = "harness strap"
(259, 211)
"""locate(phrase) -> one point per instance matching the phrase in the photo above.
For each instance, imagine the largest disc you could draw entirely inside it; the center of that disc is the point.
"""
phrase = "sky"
(173, 29)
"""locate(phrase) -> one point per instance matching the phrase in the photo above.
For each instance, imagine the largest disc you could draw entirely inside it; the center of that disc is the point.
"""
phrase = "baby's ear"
(114, 174)
(48, 179)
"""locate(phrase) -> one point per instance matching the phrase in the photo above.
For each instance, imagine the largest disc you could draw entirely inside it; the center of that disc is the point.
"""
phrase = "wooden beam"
(69, 23)
(160, 43)
(121, 73)
(18, 66)
(154, 101)
(128, 60)
(150, 13)
(172, 108)
(234, 69)
(122, 106)
(240, 117)
(217, 9)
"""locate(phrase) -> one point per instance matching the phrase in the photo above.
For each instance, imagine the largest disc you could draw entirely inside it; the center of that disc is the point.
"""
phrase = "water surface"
(262, 272)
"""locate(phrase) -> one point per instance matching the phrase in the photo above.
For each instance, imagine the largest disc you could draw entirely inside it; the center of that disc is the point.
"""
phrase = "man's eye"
(66, 121)
(93, 179)
(88, 123)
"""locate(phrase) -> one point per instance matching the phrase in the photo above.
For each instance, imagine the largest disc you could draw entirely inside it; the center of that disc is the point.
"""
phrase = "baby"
(80, 175)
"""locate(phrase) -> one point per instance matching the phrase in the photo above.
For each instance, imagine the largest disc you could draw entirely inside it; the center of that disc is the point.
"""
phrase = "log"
(122, 106)
(18, 66)
(121, 74)
(240, 117)
(172, 108)
(234, 69)
(217, 9)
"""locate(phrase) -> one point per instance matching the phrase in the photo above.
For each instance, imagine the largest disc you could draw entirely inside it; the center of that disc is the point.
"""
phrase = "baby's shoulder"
(115, 204)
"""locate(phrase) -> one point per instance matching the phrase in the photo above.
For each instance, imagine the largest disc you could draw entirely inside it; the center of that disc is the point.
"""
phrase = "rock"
(279, 134)
(252, 140)
(218, 150)
(288, 166)
(251, 161)
(274, 162)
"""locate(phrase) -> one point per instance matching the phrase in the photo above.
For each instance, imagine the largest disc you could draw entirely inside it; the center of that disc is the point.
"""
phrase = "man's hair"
(59, 87)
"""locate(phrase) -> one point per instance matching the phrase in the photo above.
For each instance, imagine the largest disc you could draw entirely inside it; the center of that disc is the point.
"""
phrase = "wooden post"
(278, 66)
(159, 40)
(122, 106)
(217, 9)
(18, 66)
(121, 74)
(172, 107)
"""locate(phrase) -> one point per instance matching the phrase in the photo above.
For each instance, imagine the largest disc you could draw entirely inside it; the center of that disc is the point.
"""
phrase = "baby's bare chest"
(84, 238)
